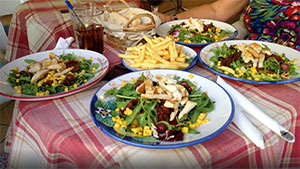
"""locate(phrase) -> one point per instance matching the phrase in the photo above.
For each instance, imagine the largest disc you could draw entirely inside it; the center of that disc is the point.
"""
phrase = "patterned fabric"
(38, 24)
(3, 159)
(60, 133)
(274, 20)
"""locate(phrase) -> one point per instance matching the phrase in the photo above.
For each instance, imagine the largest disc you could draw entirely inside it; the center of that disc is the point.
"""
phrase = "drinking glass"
(88, 33)
(154, 4)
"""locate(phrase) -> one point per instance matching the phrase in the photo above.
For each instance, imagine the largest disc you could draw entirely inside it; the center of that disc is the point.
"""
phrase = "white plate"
(188, 51)
(163, 29)
(290, 53)
(219, 118)
(7, 91)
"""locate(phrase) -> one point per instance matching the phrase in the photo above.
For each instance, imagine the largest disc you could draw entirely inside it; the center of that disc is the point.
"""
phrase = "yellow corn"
(185, 130)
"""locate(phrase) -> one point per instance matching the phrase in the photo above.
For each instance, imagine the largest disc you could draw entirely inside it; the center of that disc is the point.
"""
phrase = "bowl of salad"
(51, 74)
(161, 109)
(252, 61)
(197, 32)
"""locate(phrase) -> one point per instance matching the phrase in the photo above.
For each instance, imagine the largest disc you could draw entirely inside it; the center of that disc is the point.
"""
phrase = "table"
(37, 25)
(60, 133)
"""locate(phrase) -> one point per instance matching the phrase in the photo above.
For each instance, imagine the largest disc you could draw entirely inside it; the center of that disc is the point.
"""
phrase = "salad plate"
(188, 51)
(164, 30)
(276, 64)
(104, 106)
(16, 91)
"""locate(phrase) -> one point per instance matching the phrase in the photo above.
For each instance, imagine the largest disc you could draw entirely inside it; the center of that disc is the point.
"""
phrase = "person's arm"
(221, 10)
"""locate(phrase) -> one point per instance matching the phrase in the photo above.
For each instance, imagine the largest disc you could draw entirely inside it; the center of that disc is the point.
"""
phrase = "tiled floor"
(6, 110)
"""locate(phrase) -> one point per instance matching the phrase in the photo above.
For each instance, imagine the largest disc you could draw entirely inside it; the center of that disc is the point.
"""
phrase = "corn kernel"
(51, 53)
(16, 68)
(185, 130)
(257, 79)
(294, 60)
(75, 85)
(66, 89)
(85, 80)
(117, 125)
(91, 58)
(205, 121)
(17, 75)
(128, 111)
(147, 132)
(115, 119)
(17, 80)
(137, 130)
(191, 76)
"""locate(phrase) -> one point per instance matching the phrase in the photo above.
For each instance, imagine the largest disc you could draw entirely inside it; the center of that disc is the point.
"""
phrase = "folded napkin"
(241, 121)
(64, 43)
(257, 113)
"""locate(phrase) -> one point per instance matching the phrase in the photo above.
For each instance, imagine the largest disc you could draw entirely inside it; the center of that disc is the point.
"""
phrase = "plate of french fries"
(158, 53)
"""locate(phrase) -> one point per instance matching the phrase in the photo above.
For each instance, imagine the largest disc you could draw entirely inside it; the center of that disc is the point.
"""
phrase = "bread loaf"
(116, 18)
(136, 22)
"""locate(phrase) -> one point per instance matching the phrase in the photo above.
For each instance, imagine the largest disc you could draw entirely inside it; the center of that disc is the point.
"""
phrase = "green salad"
(163, 109)
(252, 62)
(52, 75)
(195, 31)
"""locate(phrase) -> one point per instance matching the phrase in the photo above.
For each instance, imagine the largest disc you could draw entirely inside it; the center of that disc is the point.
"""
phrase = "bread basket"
(125, 27)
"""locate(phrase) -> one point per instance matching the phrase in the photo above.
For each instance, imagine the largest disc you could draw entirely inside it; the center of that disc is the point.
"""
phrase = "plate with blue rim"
(293, 55)
(163, 30)
(188, 51)
(219, 118)
(8, 91)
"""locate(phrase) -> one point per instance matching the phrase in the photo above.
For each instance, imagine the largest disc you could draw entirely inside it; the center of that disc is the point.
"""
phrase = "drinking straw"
(71, 7)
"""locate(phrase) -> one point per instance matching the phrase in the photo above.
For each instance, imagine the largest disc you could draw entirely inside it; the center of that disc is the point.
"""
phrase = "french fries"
(156, 53)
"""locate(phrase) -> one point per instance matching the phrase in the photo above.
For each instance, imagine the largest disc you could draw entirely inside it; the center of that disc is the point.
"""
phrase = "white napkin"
(256, 112)
(241, 121)
(64, 43)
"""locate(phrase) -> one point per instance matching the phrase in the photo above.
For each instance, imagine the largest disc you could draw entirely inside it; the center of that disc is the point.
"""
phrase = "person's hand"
(164, 18)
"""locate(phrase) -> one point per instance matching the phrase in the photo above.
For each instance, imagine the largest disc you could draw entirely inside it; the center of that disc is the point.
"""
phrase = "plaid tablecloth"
(60, 133)
(38, 24)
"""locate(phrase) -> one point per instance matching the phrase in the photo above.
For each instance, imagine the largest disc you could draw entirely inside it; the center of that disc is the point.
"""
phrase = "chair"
(6, 8)
(177, 7)
(3, 43)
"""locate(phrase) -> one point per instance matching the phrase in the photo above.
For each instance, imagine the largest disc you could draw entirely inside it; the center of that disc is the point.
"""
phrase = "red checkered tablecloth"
(60, 133)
